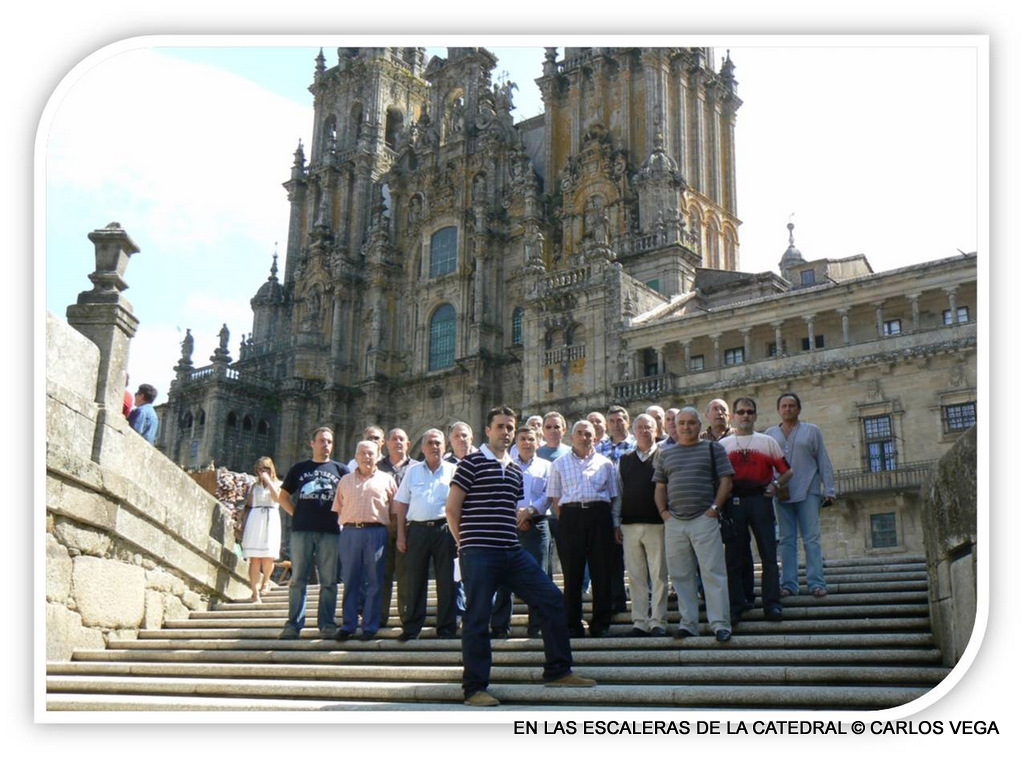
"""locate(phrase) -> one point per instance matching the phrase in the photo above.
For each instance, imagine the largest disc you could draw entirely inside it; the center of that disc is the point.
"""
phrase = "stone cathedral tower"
(442, 259)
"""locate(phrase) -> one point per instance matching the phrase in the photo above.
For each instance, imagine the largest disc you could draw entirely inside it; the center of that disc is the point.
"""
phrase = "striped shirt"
(492, 487)
(686, 470)
(582, 480)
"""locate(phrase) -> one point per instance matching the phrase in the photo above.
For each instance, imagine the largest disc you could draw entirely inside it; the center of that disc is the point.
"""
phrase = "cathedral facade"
(442, 259)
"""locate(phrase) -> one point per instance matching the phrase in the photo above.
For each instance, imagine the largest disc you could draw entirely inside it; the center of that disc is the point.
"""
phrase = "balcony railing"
(649, 386)
(909, 476)
(565, 353)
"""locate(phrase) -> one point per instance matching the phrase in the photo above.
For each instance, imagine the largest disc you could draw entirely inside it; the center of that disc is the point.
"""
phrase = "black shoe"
(734, 620)
(367, 636)
(447, 635)
(599, 632)
(406, 636)
(499, 634)
(289, 633)
(638, 632)
(577, 633)
(534, 634)
(682, 634)
(657, 632)
(723, 635)
(619, 609)
(749, 605)
(341, 635)
(773, 614)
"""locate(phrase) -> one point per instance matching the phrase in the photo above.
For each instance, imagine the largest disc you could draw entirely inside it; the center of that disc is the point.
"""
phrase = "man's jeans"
(483, 571)
(363, 551)
(536, 541)
(752, 513)
(307, 548)
(802, 514)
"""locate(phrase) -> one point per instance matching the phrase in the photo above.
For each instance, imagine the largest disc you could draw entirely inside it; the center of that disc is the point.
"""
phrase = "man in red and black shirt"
(761, 469)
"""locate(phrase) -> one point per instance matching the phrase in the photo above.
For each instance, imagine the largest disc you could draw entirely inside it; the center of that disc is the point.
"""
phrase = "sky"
(868, 147)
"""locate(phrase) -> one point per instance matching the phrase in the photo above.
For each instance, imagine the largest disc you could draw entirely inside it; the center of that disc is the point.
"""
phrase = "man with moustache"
(692, 484)
(424, 537)
(396, 462)
(717, 415)
(481, 512)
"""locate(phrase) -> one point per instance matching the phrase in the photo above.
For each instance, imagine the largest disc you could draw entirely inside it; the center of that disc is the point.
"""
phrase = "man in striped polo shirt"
(481, 512)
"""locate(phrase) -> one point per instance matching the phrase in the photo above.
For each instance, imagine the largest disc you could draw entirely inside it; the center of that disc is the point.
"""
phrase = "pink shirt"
(365, 499)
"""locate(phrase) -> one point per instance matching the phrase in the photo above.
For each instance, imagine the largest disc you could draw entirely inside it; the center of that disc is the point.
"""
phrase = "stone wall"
(951, 544)
(131, 539)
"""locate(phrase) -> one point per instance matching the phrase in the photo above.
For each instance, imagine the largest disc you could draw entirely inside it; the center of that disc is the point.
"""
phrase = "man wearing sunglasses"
(761, 471)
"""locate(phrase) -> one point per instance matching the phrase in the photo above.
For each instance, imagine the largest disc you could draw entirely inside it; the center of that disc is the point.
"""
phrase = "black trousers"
(752, 513)
(585, 536)
(428, 542)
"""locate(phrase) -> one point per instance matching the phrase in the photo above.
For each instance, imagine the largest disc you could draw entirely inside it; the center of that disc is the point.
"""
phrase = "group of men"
(660, 500)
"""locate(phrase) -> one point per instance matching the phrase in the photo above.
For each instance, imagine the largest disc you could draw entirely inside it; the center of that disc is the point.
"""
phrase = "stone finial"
(113, 249)
(299, 163)
(321, 63)
(273, 266)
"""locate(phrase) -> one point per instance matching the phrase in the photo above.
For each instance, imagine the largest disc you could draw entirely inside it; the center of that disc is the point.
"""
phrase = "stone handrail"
(565, 353)
(567, 278)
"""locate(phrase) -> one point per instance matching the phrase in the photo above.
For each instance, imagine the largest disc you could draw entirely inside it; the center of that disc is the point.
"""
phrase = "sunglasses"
(745, 412)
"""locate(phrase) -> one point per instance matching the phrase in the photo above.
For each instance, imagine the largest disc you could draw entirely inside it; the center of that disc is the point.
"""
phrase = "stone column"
(951, 293)
(659, 351)
(915, 310)
(879, 316)
(778, 338)
(844, 312)
(809, 320)
(686, 356)
(746, 343)
(337, 330)
(105, 316)
(716, 353)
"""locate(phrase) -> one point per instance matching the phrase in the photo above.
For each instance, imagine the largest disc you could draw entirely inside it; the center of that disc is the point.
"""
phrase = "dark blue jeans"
(309, 549)
(535, 541)
(484, 570)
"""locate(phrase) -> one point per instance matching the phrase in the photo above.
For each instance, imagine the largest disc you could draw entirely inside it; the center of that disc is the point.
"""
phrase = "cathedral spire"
(792, 256)
(273, 266)
(320, 63)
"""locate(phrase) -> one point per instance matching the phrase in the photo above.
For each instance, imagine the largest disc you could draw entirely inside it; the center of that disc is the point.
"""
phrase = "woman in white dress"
(261, 538)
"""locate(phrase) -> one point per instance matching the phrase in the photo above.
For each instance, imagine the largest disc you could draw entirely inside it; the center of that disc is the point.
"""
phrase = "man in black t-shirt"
(307, 493)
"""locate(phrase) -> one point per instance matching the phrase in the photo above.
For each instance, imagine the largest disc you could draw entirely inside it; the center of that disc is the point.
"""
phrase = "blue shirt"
(143, 420)
(535, 483)
(425, 491)
(805, 452)
(552, 454)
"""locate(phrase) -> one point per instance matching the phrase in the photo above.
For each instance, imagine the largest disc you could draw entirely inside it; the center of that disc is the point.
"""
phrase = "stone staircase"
(868, 645)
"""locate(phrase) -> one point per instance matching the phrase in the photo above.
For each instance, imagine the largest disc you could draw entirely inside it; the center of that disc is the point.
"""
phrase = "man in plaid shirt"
(582, 486)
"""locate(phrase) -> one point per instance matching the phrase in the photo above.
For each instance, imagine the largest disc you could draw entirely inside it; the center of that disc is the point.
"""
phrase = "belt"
(585, 505)
(434, 522)
(361, 524)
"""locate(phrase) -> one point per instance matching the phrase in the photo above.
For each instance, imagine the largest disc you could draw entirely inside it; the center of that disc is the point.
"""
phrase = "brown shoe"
(482, 698)
(571, 680)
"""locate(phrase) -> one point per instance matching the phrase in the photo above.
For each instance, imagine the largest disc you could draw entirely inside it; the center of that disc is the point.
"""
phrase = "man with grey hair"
(692, 482)
(424, 537)
(583, 486)
(460, 437)
(363, 502)
(373, 433)
(641, 531)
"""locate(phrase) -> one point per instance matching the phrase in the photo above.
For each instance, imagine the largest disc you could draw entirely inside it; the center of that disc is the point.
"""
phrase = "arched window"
(328, 138)
(443, 251)
(442, 338)
(714, 259)
(263, 428)
(356, 122)
(517, 326)
(392, 124)
(232, 422)
(247, 424)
